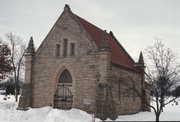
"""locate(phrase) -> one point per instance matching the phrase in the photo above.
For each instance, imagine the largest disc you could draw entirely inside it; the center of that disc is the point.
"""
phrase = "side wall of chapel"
(126, 100)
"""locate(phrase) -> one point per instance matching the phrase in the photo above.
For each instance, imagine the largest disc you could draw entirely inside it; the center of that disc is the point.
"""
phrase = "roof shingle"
(118, 53)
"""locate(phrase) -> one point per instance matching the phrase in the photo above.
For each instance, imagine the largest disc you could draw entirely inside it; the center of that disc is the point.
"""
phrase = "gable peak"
(66, 7)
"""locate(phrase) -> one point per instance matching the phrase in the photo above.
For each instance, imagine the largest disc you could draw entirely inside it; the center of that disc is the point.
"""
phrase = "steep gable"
(67, 27)
(119, 55)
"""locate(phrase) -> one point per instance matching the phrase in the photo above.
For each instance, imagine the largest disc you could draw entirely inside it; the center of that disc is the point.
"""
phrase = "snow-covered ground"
(8, 113)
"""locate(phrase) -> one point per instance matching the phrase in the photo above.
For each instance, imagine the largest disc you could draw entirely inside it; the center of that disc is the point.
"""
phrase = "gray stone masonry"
(91, 70)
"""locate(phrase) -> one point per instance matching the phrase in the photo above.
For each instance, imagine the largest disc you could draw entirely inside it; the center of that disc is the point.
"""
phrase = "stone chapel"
(78, 65)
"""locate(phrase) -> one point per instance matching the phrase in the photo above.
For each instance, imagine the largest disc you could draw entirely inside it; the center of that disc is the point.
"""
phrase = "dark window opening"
(119, 91)
(65, 43)
(133, 92)
(65, 77)
(58, 50)
(72, 48)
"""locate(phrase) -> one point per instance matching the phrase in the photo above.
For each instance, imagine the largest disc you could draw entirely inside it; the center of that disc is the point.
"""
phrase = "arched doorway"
(63, 98)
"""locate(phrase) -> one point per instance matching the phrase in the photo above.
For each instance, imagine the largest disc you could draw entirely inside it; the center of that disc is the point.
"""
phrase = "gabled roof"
(118, 53)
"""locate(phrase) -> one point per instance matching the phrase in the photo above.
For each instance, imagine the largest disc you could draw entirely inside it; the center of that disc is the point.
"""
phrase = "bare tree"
(17, 53)
(162, 77)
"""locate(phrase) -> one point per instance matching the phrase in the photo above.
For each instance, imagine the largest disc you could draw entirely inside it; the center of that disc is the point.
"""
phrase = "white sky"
(135, 23)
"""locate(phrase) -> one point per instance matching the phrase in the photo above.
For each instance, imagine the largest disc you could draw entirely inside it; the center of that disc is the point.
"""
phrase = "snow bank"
(171, 113)
(8, 113)
(73, 115)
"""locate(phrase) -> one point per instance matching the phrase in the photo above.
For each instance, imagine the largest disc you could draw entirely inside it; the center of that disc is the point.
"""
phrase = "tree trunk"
(16, 99)
(16, 93)
(157, 117)
(15, 85)
(17, 81)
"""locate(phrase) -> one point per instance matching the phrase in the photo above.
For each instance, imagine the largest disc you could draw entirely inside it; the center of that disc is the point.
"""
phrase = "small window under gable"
(119, 91)
(72, 49)
(57, 49)
(65, 44)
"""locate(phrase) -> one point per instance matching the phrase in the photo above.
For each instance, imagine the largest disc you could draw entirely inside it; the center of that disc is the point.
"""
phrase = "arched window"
(65, 77)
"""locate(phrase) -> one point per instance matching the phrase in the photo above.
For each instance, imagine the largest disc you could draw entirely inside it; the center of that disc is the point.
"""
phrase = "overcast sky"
(135, 23)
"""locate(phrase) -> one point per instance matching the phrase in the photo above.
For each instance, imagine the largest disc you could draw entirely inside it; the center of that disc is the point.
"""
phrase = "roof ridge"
(88, 22)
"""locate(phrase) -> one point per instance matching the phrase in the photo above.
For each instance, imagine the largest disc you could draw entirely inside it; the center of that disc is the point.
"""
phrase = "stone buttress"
(105, 107)
(24, 100)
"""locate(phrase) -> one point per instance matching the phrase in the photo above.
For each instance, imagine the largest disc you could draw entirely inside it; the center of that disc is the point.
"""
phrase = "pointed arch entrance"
(63, 98)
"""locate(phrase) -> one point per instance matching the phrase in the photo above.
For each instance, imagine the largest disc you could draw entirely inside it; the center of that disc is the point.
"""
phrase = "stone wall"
(88, 67)
(83, 66)
(127, 101)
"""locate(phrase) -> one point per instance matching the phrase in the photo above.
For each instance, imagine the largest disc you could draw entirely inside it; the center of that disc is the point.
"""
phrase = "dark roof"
(119, 55)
